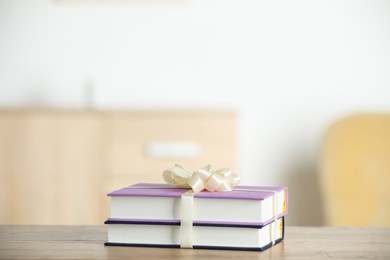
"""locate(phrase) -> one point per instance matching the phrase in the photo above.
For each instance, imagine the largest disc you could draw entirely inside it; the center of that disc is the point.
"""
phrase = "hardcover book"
(205, 236)
(250, 205)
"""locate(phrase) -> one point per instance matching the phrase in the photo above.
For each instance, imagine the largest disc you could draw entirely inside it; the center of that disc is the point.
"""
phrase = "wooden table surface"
(86, 242)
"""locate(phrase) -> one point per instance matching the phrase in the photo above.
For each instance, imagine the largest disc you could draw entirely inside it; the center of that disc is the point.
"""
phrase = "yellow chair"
(355, 171)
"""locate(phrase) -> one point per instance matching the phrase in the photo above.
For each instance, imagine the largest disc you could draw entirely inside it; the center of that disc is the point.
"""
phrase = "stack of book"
(247, 218)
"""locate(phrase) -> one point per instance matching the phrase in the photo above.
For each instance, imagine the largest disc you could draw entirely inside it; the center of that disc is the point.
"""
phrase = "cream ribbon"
(203, 179)
(186, 219)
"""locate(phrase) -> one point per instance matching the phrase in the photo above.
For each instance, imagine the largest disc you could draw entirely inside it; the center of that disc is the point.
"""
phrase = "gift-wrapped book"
(197, 210)
(152, 215)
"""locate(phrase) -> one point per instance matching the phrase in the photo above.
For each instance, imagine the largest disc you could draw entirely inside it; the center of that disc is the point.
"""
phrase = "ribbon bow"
(203, 179)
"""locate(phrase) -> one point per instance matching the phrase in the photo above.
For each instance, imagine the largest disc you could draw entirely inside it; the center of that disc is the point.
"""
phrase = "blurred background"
(97, 95)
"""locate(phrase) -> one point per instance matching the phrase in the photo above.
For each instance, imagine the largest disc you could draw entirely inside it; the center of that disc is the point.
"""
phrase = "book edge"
(196, 223)
(197, 246)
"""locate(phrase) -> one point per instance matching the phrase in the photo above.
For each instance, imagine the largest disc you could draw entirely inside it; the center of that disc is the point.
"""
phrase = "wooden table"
(86, 242)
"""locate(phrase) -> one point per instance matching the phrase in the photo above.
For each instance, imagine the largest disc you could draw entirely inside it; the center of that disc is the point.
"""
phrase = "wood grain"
(86, 242)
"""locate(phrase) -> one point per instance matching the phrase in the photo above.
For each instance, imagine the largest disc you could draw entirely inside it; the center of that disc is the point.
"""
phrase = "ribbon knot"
(202, 179)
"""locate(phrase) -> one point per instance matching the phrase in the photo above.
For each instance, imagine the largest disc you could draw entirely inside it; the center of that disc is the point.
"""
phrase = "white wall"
(289, 67)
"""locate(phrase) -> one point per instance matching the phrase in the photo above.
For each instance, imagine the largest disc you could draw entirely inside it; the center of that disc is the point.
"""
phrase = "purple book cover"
(167, 190)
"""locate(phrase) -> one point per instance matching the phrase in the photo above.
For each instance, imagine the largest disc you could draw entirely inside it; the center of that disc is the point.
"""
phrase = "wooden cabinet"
(57, 166)
(50, 172)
